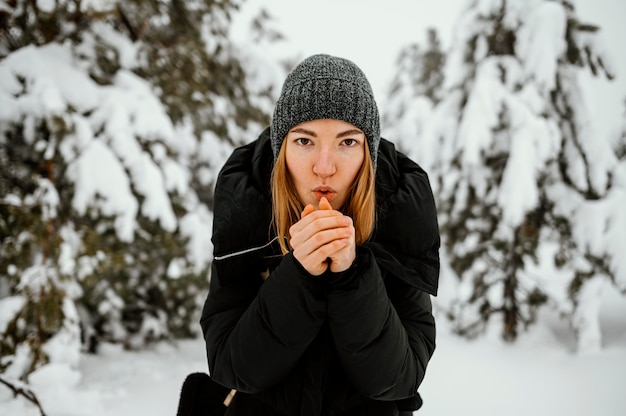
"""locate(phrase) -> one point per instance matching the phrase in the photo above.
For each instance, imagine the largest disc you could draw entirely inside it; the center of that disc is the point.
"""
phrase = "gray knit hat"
(324, 86)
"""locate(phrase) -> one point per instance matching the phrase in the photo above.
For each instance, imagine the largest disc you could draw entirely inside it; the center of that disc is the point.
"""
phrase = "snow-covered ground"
(540, 376)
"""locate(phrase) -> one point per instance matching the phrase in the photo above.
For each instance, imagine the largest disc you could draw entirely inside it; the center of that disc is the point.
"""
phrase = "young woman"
(325, 257)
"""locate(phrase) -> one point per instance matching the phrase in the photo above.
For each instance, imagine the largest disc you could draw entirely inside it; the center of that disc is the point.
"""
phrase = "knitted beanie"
(326, 87)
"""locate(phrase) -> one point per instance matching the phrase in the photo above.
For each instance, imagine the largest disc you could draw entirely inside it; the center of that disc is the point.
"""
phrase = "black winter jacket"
(350, 343)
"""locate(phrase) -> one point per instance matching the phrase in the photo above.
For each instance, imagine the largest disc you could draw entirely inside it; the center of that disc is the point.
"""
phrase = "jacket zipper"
(248, 250)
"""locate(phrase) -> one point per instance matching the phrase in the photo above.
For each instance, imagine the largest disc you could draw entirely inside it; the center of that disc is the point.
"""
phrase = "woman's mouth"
(324, 191)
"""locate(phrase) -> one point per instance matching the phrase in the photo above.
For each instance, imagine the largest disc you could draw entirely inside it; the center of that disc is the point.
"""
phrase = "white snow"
(9, 307)
(99, 176)
(541, 41)
(200, 246)
(54, 80)
(537, 376)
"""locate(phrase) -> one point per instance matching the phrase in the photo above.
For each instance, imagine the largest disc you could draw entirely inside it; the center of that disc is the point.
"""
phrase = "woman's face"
(324, 158)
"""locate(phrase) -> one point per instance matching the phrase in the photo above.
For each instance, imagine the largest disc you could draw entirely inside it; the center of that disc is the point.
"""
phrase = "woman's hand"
(323, 238)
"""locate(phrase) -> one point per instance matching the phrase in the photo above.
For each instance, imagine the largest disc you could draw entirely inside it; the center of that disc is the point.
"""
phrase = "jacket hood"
(406, 237)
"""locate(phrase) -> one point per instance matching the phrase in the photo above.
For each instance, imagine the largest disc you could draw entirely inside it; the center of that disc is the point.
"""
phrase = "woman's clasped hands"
(323, 238)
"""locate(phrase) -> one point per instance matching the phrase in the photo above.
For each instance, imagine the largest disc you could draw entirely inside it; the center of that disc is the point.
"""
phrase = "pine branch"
(23, 391)
(134, 33)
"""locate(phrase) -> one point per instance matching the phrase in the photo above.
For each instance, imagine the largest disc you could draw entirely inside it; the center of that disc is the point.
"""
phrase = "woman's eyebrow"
(349, 133)
(303, 131)
(313, 134)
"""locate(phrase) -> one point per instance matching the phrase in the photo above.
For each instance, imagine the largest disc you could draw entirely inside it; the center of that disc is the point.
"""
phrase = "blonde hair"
(286, 207)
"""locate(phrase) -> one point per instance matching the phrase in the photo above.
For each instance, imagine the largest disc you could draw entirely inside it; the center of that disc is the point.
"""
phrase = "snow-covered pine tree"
(114, 120)
(529, 196)
(415, 89)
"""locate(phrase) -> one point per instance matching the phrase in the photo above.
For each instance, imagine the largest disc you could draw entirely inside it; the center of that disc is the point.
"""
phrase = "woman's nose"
(324, 163)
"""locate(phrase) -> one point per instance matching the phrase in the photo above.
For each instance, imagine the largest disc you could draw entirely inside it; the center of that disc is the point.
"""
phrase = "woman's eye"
(350, 142)
(303, 141)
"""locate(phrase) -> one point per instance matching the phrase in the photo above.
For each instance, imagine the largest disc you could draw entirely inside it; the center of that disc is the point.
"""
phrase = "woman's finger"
(324, 204)
(307, 210)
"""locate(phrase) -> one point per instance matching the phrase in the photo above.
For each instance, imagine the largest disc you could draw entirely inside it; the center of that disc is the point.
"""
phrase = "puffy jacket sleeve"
(384, 331)
(255, 335)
